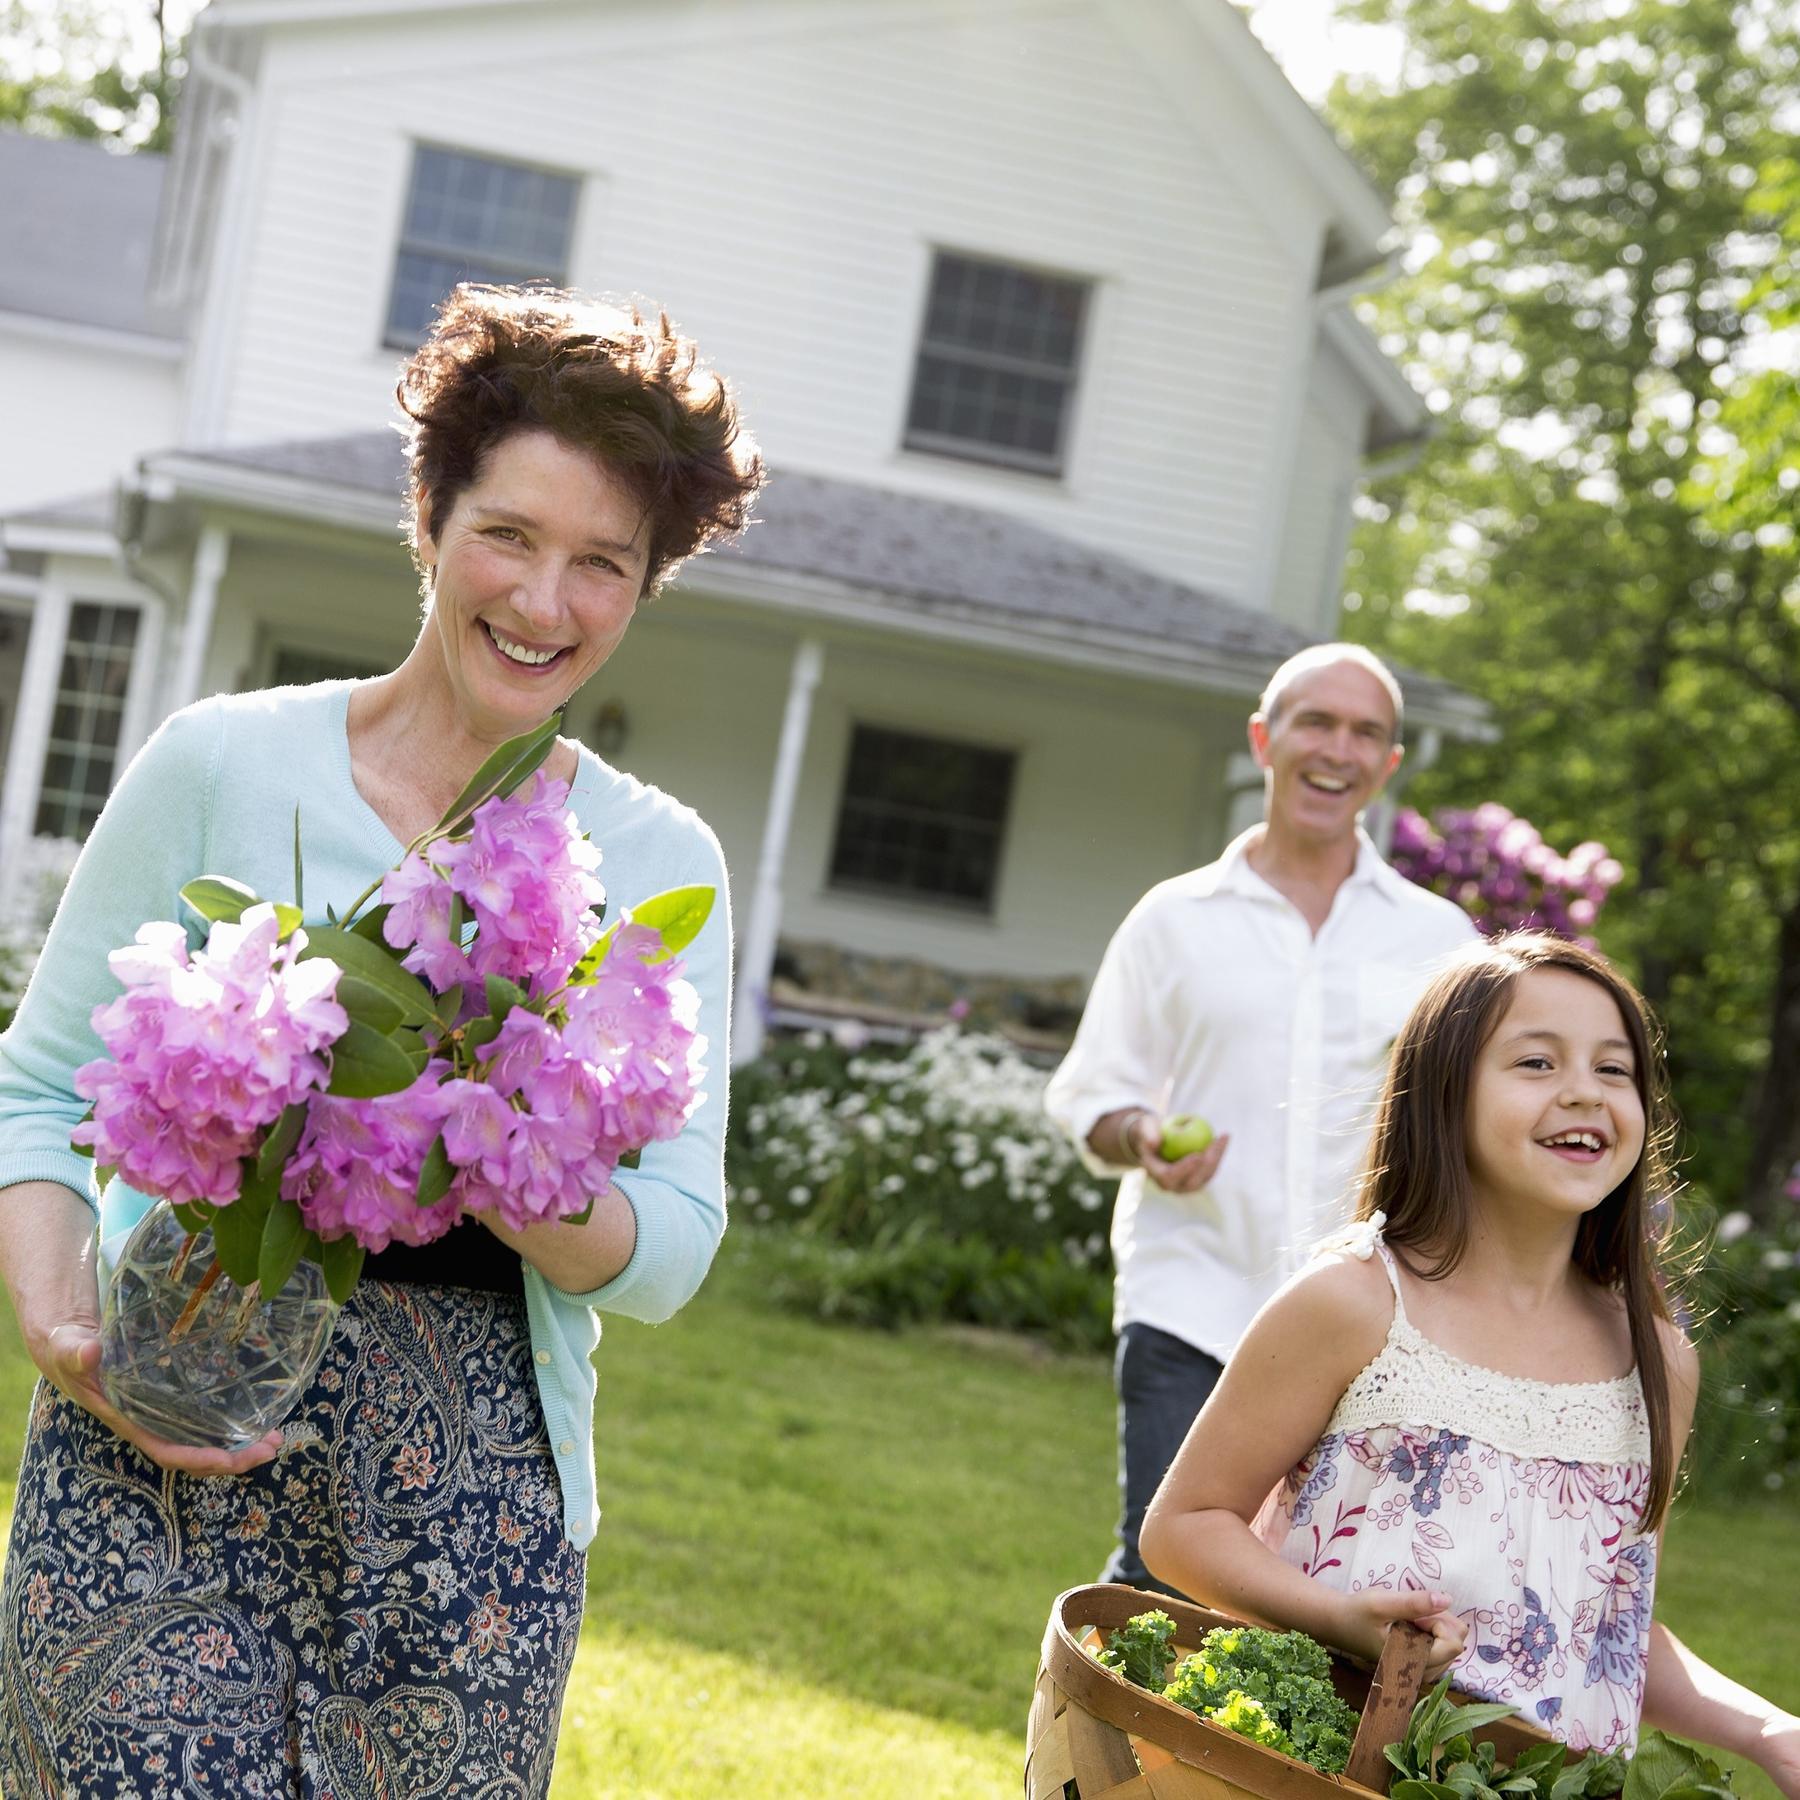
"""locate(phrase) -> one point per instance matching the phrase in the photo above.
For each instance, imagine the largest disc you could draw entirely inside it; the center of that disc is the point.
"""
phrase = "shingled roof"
(914, 554)
(77, 221)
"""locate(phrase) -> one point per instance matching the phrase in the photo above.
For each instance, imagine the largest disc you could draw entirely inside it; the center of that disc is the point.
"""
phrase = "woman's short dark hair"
(1417, 1171)
(631, 392)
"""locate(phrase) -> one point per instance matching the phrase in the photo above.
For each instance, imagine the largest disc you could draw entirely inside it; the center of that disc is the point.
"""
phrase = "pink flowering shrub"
(478, 1044)
(1499, 870)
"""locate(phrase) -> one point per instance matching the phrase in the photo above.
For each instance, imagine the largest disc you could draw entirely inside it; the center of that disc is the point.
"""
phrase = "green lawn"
(827, 1557)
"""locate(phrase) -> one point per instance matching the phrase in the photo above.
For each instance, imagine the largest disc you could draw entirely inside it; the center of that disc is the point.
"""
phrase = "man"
(1260, 992)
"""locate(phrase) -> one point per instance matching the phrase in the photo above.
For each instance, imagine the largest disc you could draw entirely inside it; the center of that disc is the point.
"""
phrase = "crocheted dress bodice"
(1518, 1497)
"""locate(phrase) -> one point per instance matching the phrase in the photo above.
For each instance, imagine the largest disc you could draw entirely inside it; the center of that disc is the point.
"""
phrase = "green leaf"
(365, 1065)
(582, 1217)
(216, 897)
(435, 1174)
(1423, 1790)
(447, 1006)
(588, 968)
(676, 915)
(284, 1134)
(288, 920)
(283, 1239)
(514, 762)
(1666, 1769)
(480, 1034)
(195, 1215)
(238, 1228)
(372, 924)
(502, 996)
(368, 1004)
(299, 879)
(379, 968)
(632, 1158)
(342, 1261)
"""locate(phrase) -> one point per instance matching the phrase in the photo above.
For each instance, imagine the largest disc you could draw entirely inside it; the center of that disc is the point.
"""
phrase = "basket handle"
(1393, 1693)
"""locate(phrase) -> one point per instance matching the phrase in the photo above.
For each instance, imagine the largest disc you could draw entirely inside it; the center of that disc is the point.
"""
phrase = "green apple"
(1183, 1135)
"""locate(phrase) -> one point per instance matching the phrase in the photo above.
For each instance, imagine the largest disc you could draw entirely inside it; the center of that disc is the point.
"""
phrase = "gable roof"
(77, 221)
(874, 556)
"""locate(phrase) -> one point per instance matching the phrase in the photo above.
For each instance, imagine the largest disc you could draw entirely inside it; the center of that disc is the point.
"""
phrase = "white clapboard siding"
(777, 175)
(76, 411)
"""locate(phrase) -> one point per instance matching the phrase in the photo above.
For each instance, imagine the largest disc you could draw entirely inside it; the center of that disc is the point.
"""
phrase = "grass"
(827, 1557)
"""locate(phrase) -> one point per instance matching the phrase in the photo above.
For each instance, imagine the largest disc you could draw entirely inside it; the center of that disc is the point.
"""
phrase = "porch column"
(38, 681)
(210, 555)
(757, 958)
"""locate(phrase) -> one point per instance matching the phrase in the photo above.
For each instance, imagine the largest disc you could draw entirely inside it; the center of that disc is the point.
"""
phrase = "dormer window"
(475, 218)
(998, 358)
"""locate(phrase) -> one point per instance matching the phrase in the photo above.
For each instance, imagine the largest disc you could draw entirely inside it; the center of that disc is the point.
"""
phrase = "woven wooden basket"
(1093, 1735)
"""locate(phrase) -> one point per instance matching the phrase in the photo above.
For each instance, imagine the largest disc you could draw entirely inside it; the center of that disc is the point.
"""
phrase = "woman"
(383, 1597)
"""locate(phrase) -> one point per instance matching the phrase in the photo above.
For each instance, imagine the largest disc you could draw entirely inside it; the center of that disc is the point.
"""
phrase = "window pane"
(997, 364)
(84, 725)
(474, 218)
(296, 668)
(922, 817)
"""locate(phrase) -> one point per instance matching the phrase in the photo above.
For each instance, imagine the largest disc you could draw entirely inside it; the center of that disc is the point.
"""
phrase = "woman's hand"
(1367, 1615)
(48, 1256)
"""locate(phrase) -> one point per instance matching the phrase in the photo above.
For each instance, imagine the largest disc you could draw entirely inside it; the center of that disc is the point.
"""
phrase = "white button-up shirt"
(1214, 997)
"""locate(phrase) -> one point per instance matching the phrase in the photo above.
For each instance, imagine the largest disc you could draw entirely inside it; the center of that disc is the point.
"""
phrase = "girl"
(1471, 1414)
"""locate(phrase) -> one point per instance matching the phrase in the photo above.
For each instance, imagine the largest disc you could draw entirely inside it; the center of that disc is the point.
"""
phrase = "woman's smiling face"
(535, 574)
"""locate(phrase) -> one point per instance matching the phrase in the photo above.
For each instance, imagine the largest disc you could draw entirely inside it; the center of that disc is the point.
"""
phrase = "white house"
(1039, 308)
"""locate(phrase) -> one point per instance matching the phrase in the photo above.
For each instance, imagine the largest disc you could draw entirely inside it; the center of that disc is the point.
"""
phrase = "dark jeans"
(1162, 1382)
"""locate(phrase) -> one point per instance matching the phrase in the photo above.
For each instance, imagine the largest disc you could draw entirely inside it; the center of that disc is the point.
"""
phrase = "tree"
(71, 71)
(1591, 194)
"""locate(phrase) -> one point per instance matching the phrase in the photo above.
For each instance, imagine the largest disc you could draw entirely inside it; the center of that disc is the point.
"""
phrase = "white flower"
(1733, 1226)
(1361, 1238)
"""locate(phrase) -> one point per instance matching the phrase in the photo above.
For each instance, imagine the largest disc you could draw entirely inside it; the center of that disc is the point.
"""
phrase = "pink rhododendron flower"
(204, 1052)
(356, 1167)
(420, 923)
(526, 873)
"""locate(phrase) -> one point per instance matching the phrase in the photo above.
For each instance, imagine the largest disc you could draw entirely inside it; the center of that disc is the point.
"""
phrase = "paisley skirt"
(389, 1608)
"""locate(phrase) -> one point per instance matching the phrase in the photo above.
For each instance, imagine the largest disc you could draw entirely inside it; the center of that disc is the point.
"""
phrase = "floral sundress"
(1519, 1498)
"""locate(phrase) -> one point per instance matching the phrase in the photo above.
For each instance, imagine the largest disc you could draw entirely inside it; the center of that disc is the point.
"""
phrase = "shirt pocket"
(1386, 993)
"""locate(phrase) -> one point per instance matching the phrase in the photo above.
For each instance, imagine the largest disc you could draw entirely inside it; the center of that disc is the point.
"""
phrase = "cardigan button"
(565, 1448)
(543, 1356)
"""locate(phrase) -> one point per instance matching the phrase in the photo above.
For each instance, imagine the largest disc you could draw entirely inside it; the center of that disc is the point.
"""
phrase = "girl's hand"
(1367, 1616)
(1778, 1751)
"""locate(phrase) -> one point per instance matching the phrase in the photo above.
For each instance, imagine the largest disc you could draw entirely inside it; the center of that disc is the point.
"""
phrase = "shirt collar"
(1232, 873)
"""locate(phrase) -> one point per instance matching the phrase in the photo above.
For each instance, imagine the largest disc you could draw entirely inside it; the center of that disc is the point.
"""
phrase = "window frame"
(975, 451)
(937, 901)
(121, 749)
(495, 266)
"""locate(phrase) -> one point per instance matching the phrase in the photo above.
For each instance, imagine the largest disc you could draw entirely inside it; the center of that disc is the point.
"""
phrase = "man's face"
(1328, 752)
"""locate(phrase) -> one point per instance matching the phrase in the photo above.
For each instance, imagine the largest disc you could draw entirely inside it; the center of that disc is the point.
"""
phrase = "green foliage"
(1599, 540)
(1439, 1759)
(1271, 1686)
(1142, 1649)
(918, 1185)
(72, 70)
(1665, 1769)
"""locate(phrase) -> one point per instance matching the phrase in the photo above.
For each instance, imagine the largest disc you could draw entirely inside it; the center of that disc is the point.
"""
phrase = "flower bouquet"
(478, 1042)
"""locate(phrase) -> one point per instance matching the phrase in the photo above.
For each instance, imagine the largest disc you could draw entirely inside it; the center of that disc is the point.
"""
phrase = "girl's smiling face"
(536, 572)
(1556, 1120)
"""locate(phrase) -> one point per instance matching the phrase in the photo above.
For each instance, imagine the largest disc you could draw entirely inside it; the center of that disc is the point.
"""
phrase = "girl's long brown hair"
(1417, 1171)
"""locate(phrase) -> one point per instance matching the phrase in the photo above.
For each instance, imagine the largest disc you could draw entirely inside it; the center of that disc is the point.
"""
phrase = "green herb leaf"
(283, 1239)
(1666, 1769)
(365, 1065)
(342, 1261)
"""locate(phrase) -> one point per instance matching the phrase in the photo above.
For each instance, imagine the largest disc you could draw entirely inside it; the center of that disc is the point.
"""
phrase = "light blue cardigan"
(213, 793)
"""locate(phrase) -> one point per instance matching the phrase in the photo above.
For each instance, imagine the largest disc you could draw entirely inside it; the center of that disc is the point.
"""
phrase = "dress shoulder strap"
(1393, 1275)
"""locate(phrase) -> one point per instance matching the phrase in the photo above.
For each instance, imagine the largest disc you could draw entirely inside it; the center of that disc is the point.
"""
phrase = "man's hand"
(1187, 1174)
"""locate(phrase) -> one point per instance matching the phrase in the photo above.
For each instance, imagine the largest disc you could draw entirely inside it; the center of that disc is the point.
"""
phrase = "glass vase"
(188, 1354)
